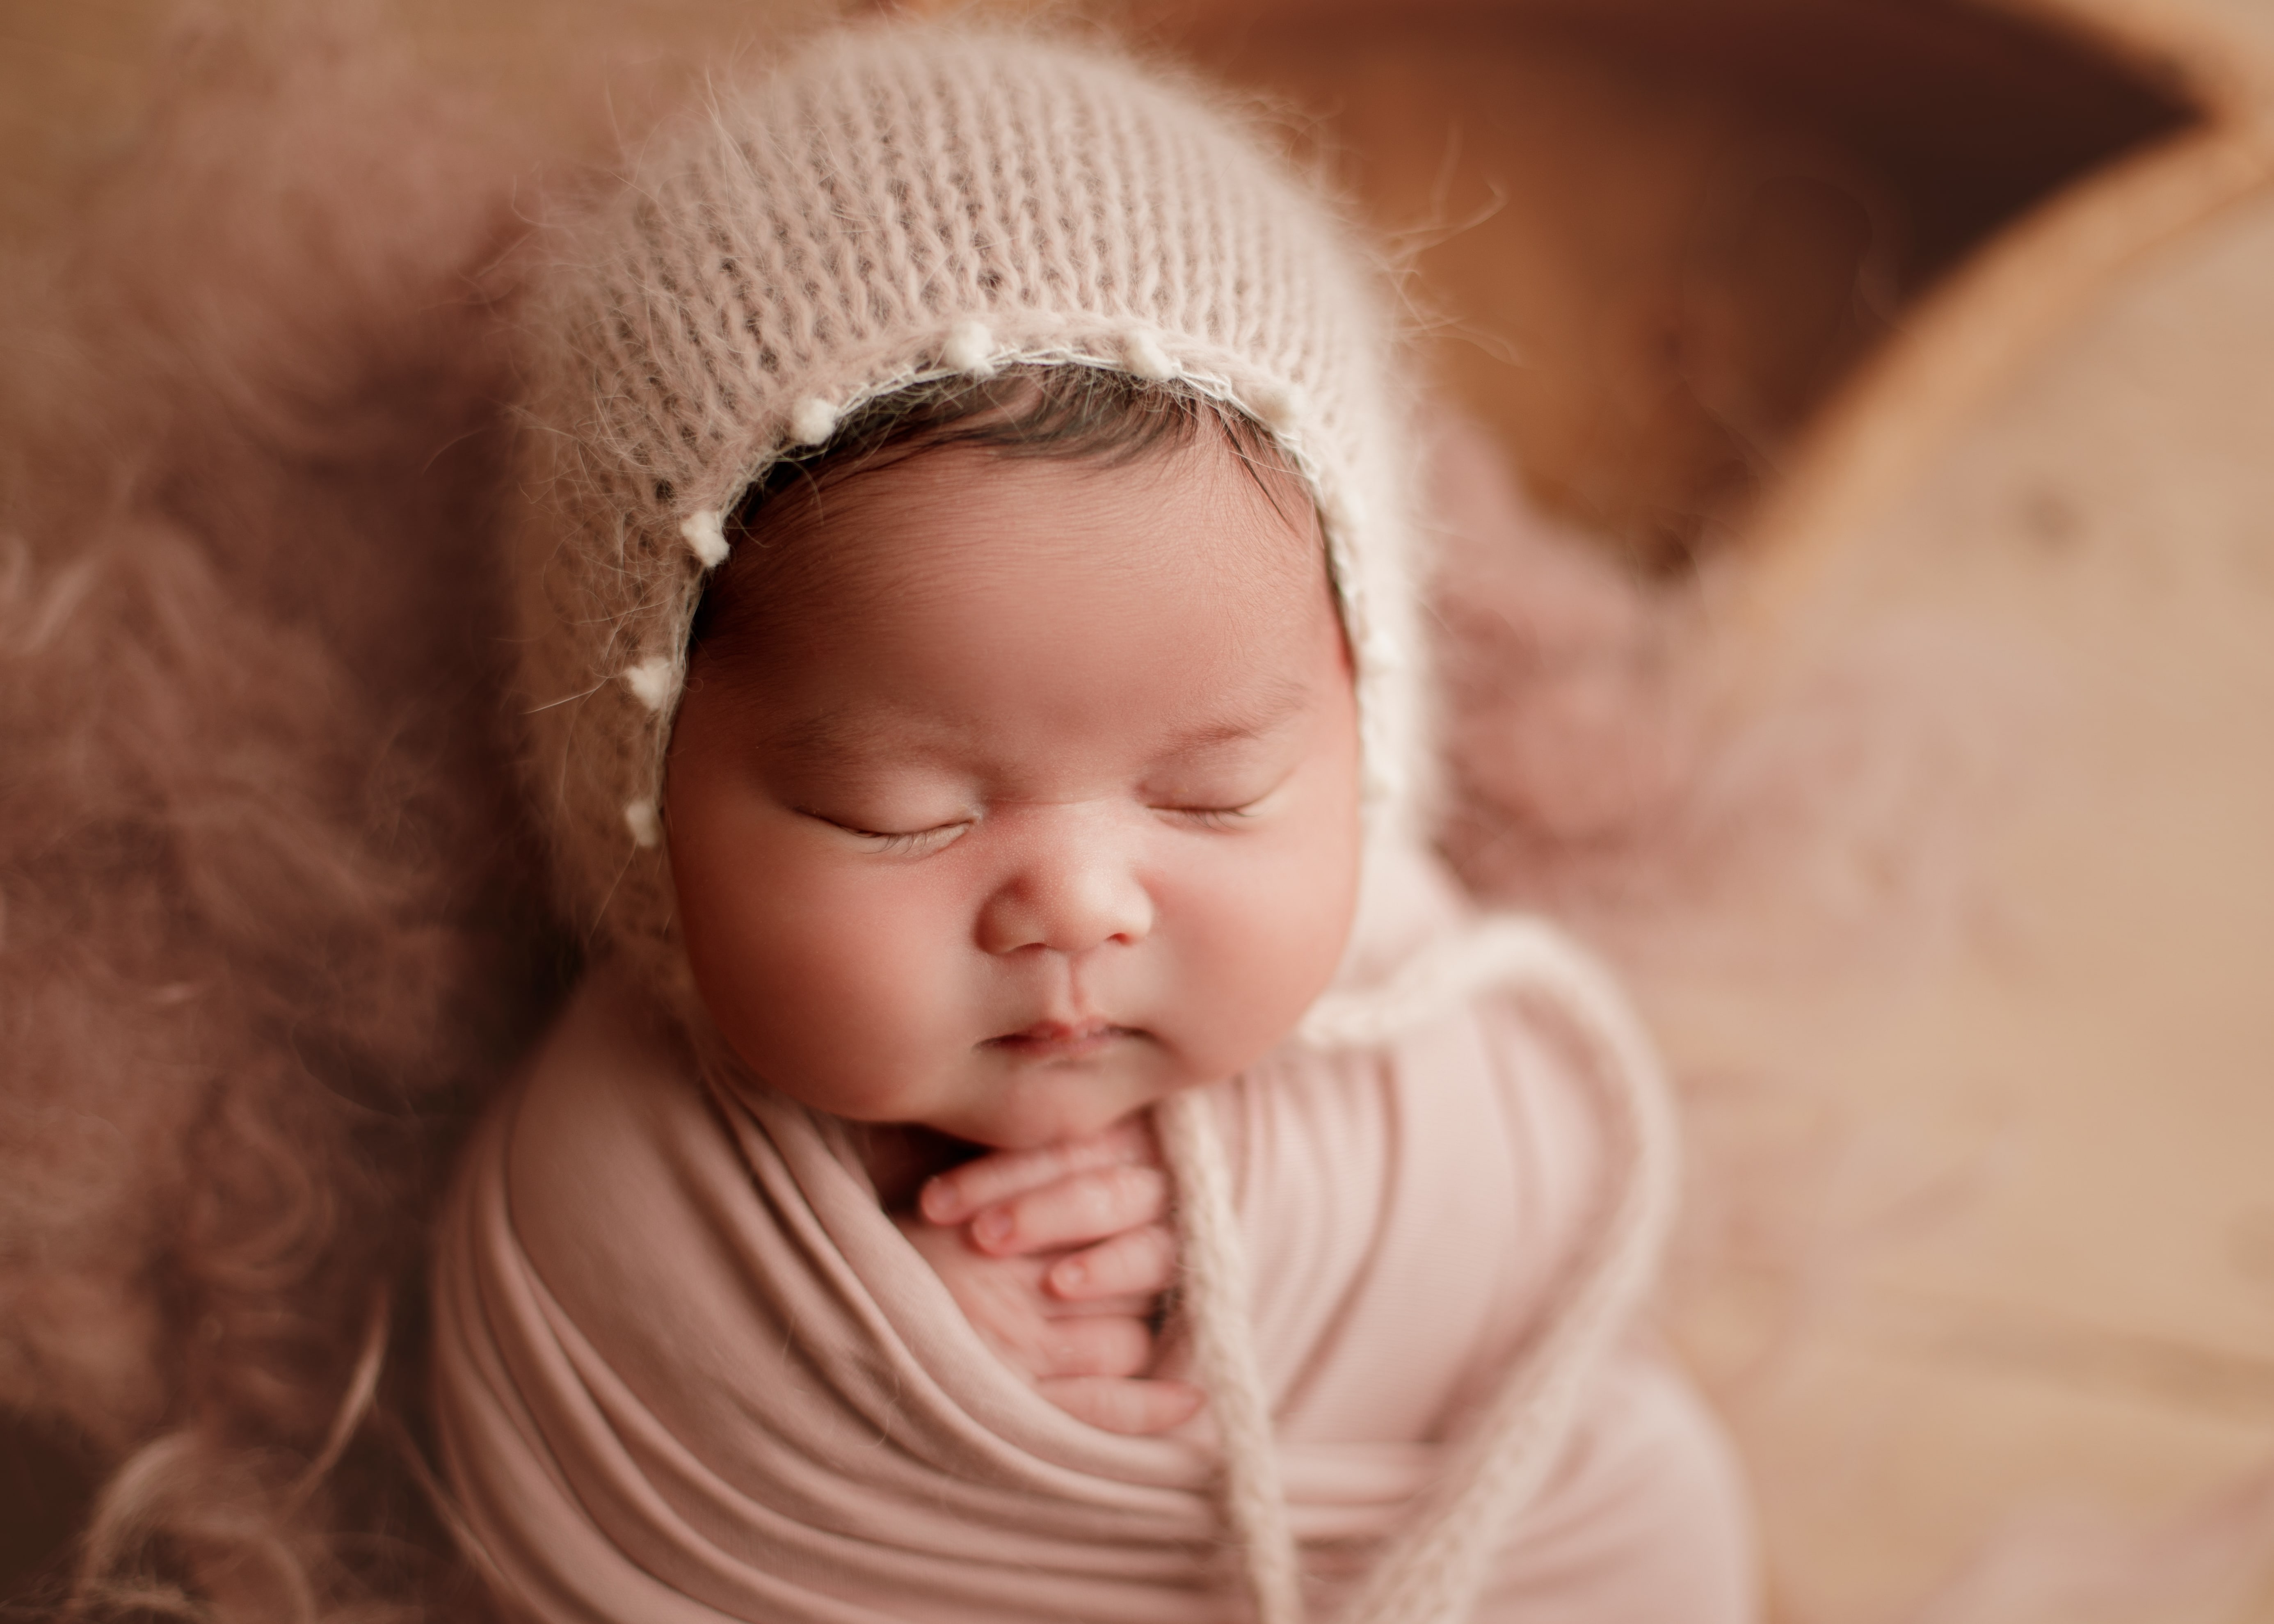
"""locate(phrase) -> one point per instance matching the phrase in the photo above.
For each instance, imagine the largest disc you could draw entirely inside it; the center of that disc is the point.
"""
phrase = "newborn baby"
(969, 652)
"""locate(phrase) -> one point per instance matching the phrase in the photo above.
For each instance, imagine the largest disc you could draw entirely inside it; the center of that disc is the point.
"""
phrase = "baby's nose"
(1074, 889)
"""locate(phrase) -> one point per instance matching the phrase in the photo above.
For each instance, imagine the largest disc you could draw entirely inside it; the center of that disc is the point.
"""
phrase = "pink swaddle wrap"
(689, 1370)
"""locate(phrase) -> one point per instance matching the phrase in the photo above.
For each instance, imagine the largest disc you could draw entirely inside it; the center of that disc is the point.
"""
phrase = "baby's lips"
(1059, 1040)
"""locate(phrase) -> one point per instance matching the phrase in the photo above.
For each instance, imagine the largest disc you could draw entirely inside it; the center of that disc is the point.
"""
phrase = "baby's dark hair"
(1089, 414)
(1073, 413)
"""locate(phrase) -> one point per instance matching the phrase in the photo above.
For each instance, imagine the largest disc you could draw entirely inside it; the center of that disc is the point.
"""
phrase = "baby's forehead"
(1204, 514)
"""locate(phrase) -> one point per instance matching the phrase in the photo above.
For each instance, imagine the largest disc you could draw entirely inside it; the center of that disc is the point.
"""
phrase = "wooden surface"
(2054, 1275)
(1651, 240)
(2035, 1155)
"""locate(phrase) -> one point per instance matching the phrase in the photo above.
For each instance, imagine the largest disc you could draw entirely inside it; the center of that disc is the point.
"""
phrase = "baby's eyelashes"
(916, 841)
(1211, 817)
(896, 843)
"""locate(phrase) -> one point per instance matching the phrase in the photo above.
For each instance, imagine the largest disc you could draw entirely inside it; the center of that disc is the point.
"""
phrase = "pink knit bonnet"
(891, 205)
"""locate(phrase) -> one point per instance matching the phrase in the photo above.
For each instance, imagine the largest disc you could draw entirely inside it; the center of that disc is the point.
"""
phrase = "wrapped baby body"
(689, 1370)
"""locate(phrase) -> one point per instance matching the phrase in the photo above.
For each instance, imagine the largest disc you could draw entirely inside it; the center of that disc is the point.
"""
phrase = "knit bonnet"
(892, 205)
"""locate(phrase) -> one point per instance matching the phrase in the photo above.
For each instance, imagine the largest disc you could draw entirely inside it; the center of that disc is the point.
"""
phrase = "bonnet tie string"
(1434, 1570)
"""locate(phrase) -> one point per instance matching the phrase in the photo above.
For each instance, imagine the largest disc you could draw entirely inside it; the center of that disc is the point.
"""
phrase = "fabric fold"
(687, 1369)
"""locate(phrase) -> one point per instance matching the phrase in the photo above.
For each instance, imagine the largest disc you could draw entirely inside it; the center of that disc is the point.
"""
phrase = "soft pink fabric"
(688, 1370)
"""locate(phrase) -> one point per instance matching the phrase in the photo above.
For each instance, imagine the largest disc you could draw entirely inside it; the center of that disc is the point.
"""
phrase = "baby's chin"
(1034, 1130)
(1050, 1104)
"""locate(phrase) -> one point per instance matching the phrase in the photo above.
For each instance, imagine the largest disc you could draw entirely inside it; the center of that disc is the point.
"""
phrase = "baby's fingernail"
(991, 1227)
(937, 1201)
(1070, 1276)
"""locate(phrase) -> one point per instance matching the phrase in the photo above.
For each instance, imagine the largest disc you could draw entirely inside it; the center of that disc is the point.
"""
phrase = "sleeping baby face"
(1009, 794)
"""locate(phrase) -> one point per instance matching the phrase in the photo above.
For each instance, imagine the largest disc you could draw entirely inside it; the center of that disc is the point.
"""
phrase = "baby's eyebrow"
(1265, 711)
(858, 737)
(844, 737)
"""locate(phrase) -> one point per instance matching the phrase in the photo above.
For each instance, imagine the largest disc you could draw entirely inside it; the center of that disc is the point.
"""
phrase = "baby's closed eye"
(894, 841)
(1212, 817)
(1223, 798)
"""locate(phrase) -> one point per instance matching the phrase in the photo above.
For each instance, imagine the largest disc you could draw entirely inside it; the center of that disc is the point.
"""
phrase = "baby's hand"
(1058, 1258)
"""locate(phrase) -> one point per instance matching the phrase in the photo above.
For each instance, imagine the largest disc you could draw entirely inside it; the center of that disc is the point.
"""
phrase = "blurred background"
(1915, 359)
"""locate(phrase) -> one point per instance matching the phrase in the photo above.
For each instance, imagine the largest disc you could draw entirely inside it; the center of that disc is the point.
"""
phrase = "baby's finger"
(1132, 1407)
(954, 1196)
(1140, 1262)
(1085, 1206)
(1095, 1345)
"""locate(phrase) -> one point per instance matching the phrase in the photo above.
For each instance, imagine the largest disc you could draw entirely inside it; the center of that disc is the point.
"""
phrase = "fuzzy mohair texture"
(266, 917)
(271, 923)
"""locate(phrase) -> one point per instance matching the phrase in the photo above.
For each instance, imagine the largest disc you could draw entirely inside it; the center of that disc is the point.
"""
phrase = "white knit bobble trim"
(706, 538)
(1282, 407)
(647, 829)
(811, 421)
(654, 680)
(971, 347)
(1141, 352)
(1379, 652)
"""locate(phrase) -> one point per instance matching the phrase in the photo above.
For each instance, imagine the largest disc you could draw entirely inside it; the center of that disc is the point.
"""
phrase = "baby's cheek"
(1264, 939)
(857, 1008)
